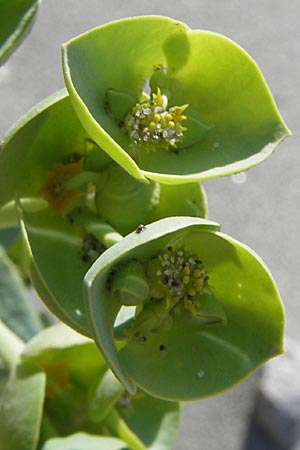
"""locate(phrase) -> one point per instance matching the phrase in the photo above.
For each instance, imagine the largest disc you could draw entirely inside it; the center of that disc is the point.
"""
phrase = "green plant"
(103, 180)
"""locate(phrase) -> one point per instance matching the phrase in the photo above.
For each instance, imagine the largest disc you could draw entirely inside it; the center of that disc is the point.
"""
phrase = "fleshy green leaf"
(72, 365)
(154, 421)
(56, 267)
(198, 352)
(61, 343)
(15, 310)
(84, 441)
(21, 408)
(232, 121)
(104, 396)
(16, 18)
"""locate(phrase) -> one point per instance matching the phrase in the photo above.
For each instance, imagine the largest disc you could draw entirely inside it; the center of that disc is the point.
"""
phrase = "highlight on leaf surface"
(210, 315)
(165, 103)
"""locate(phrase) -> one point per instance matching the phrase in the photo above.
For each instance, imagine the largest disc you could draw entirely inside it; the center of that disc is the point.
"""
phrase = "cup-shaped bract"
(209, 111)
(212, 316)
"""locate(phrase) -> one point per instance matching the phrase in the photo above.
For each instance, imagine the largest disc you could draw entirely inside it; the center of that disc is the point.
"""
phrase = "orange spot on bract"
(57, 377)
(53, 190)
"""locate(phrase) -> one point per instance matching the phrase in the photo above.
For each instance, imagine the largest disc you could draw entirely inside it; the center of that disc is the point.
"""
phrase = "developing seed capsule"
(129, 284)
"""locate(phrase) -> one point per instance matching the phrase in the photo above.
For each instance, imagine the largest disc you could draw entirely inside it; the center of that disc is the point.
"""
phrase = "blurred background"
(258, 207)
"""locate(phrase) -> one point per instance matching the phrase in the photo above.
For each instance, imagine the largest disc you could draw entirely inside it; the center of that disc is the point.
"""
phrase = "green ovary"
(151, 125)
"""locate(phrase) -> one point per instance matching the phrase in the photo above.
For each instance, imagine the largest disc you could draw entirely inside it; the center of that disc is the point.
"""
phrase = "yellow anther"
(152, 125)
(186, 279)
(186, 270)
(197, 273)
(199, 285)
(192, 292)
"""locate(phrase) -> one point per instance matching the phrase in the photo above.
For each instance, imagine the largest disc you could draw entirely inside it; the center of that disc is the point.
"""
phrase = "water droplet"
(78, 312)
(200, 373)
(239, 178)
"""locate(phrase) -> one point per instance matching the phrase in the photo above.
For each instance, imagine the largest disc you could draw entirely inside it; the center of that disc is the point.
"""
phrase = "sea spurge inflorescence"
(152, 125)
(183, 302)
(133, 101)
(176, 280)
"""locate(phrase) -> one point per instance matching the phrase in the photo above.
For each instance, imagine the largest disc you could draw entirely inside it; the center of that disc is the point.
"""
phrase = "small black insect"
(140, 229)
(162, 347)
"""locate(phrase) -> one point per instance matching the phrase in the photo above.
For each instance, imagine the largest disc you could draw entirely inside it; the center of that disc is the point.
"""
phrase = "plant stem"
(118, 426)
(104, 233)
(81, 179)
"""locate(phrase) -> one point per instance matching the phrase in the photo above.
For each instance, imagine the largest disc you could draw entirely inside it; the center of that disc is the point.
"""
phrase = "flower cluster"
(152, 125)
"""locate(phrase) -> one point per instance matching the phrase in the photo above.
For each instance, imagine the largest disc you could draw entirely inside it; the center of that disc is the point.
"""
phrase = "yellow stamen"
(151, 125)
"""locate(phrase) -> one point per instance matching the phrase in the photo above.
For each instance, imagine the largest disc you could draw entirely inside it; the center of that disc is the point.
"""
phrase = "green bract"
(209, 111)
(212, 315)
(15, 20)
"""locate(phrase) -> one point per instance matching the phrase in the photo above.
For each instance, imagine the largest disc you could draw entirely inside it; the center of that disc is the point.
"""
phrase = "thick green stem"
(118, 426)
(92, 224)
(104, 233)
(83, 178)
